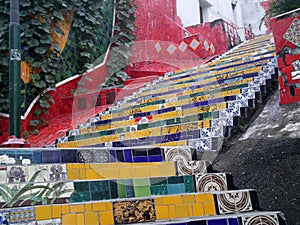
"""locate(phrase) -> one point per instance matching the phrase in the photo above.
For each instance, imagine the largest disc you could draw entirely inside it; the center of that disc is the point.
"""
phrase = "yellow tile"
(125, 172)
(172, 211)
(210, 197)
(209, 208)
(155, 171)
(188, 198)
(181, 210)
(76, 208)
(142, 172)
(107, 173)
(65, 209)
(99, 206)
(91, 174)
(206, 124)
(73, 174)
(172, 199)
(69, 166)
(43, 212)
(191, 212)
(109, 206)
(82, 175)
(162, 212)
(90, 218)
(200, 198)
(198, 209)
(56, 211)
(106, 218)
(78, 165)
(69, 219)
(88, 207)
(80, 218)
(159, 201)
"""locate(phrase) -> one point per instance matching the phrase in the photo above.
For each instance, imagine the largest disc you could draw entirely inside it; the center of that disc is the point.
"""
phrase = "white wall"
(188, 11)
(246, 12)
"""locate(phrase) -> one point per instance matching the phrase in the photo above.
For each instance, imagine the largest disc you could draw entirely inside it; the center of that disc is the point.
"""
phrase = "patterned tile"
(211, 182)
(270, 219)
(191, 167)
(171, 49)
(293, 32)
(178, 154)
(49, 222)
(157, 47)
(234, 201)
(138, 211)
(194, 44)
(201, 144)
(183, 46)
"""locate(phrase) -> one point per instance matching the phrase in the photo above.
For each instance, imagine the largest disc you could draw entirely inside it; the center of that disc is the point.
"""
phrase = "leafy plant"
(39, 21)
(36, 193)
(122, 41)
(277, 7)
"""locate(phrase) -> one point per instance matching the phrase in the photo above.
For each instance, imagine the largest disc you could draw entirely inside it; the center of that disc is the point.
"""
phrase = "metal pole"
(14, 70)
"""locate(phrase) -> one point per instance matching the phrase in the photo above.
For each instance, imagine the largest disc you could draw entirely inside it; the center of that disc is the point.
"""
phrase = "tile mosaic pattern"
(211, 182)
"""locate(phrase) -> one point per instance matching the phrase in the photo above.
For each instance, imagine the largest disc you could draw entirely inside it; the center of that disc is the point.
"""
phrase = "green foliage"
(122, 41)
(39, 19)
(278, 7)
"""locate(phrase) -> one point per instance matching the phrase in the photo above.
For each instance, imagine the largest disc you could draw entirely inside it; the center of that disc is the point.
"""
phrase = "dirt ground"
(267, 158)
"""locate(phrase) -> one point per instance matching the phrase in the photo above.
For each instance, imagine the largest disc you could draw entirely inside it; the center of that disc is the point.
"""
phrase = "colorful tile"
(211, 182)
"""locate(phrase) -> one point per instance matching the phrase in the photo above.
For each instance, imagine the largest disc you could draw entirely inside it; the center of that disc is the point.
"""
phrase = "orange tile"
(162, 212)
(80, 218)
(43, 212)
(69, 166)
(76, 208)
(106, 218)
(181, 210)
(198, 209)
(69, 219)
(65, 209)
(56, 211)
(88, 207)
(91, 218)
(100, 206)
(209, 208)
(191, 212)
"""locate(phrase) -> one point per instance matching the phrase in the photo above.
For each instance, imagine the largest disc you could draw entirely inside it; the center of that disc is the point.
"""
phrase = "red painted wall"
(285, 32)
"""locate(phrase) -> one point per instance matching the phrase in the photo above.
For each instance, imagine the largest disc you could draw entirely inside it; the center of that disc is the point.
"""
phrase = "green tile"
(189, 184)
(158, 181)
(121, 189)
(159, 190)
(80, 196)
(175, 180)
(99, 186)
(142, 191)
(81, 186)
(141, 182)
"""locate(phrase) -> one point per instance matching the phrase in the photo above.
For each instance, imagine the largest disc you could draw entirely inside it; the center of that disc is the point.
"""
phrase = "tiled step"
(148, 209)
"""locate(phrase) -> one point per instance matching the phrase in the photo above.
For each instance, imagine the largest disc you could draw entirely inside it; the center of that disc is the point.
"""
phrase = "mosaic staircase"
(141, 160)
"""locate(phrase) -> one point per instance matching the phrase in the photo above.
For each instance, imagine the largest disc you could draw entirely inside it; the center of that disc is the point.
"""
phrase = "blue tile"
(217, 222)
(128, 155)
(233, 221)
(156, 158)
(120, 155)
(37, 157)
(51, 156)
(68, 156)
(112, 157)
(140, 159)
(176, 188)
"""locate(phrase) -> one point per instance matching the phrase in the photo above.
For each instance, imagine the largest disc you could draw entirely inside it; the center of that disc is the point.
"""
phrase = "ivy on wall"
(122, 41)
(91, 25)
